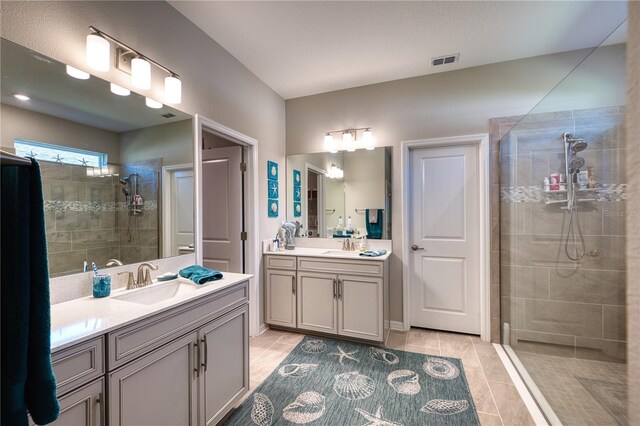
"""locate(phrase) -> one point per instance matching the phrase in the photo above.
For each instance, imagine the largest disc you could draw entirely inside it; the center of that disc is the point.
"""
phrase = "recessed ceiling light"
(151, 103)
(21, 97)
(76, 73)
(119, 90)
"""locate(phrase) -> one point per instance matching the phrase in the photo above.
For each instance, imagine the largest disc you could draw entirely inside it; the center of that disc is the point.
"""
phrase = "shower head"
(578, 145)
(124, 181)
(576, 163)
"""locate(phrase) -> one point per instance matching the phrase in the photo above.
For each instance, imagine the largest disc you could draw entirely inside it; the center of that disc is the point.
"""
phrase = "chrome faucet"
(144, 274)
(347, 245)
(113, 262)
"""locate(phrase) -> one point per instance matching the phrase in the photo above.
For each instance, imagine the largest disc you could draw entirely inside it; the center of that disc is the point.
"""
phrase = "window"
(60, 154)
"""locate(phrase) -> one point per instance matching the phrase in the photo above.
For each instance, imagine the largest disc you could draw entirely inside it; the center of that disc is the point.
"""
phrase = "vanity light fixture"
(99, 54)
(335, 172)
(119, 90)
(141, 73)
(330, 144)
(349, 140)
(152, 103)
(21, 96)
(76, 73)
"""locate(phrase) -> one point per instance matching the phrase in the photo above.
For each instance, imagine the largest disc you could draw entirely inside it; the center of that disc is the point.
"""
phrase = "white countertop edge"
(322, 252)
(82, 319)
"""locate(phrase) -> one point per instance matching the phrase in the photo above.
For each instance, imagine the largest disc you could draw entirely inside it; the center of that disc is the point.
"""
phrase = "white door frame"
(482, 142)
(252, 246)
(167, 171)
(320, 172)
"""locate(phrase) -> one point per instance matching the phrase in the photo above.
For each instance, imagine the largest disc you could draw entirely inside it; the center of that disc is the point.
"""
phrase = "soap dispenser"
(349, 229)
(340, 228)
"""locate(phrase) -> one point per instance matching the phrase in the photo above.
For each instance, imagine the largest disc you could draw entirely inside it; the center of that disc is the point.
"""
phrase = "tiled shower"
(87, 218)
(563, 321)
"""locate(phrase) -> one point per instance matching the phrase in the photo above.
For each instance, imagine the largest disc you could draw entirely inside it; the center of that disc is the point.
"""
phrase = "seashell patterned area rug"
(330, 382)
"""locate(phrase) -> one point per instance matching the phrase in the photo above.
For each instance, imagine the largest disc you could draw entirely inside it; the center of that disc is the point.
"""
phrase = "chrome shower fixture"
(573, 164)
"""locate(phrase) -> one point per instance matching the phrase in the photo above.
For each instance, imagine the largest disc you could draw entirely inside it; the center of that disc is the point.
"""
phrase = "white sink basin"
(156, 293)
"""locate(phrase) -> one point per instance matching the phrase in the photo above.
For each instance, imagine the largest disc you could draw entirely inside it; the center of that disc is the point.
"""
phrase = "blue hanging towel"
(199, 274)
(28, 382)
(373, 220)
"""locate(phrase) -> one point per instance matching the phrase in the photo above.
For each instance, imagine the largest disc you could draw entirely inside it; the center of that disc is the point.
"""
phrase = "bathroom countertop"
(331, 253)
(81, 319)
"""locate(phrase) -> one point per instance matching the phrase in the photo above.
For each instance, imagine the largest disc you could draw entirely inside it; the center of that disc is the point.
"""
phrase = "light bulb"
(76, 73)
(98, 53)
(141, 73)
(119, 90)
(329, 144)
(152, 103)
(367, 138)
(172, 90)
(347, 140)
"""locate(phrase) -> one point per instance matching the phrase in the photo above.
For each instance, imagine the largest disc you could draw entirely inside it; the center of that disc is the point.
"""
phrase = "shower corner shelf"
(549, 198)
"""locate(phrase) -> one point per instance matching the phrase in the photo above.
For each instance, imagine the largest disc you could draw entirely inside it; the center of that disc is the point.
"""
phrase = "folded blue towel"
(199, 274)
(373, 253)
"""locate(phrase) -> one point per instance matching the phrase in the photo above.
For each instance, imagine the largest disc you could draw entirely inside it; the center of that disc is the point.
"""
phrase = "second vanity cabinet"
(345, 297)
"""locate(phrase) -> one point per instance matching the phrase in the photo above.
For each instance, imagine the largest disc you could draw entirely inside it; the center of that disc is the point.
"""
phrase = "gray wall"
(18, 123)
(214, 83)
(447, 104)
(173, 142)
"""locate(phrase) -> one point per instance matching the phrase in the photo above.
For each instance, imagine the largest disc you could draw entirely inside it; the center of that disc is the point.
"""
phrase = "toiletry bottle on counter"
(591, 178)
(554, 181)
(339, 229)
(349, 228)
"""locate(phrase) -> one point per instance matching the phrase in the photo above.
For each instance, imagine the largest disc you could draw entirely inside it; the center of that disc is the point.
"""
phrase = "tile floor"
(580, 391)
(496, 398)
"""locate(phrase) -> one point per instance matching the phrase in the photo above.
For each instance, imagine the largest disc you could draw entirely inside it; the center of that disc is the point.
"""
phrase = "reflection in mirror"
(117, 175)
(338, 189)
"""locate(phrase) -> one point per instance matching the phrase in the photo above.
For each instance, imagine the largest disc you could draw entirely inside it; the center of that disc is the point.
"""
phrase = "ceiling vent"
(443, 60)
(168, 115)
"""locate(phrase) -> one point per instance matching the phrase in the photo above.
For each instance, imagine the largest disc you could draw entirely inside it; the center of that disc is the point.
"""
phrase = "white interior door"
(181, 210)
(445, 239)
(222, 211)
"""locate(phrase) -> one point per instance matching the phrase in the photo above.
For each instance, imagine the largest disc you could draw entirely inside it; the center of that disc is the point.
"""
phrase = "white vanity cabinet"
(281, 288)
(194, 378)
(345, 297)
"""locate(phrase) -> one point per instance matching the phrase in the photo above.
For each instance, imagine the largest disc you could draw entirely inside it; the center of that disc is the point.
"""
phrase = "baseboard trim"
(396, 325)
(263, 328)
(535, 411)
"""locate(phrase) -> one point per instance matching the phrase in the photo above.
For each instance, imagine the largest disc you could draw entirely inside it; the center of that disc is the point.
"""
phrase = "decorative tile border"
(535, 194)
(93, 207)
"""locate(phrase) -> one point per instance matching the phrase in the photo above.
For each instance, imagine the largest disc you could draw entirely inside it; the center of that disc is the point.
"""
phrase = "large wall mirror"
(337, 188)
(117, 175)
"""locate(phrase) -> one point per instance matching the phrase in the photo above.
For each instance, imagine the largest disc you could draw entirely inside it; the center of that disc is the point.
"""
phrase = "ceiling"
(302, 48)
(88, 102)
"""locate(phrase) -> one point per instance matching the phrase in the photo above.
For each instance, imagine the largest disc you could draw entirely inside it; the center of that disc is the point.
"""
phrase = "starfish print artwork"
(58, 158)
(377, 419)
(343, 354)
(84, 162)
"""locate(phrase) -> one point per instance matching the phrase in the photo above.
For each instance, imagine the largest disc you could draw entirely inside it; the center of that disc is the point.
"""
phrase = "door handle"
(416, 248)
(196, 355)
(102, 408)
(206, 352)
(293, 284)
(335, 289)
(339, 289)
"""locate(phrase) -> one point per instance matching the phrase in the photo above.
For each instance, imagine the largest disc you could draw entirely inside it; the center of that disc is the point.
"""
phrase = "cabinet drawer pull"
(102, 409)
(196, 355)
(206, 352)
(293, 284)
(335, 289)
(340, 289)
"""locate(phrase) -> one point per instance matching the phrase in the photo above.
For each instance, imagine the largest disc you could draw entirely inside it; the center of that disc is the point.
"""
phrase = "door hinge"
(243, 236)
(243, 167)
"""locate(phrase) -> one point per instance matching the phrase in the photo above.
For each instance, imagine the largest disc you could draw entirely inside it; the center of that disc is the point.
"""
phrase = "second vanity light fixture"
(349, 140)
(98, 57)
